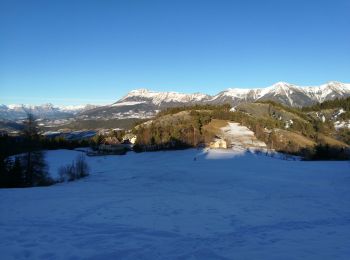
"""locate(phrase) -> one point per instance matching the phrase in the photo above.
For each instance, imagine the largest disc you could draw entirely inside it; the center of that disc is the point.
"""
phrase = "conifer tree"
(4, 172)
(16, 173)
(35, 169)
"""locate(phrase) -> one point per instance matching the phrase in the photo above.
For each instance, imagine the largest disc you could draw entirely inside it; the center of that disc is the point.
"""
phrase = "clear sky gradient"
(76, 52)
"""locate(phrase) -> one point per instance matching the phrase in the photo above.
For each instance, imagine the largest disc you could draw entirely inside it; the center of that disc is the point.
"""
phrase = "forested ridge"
(183, 127)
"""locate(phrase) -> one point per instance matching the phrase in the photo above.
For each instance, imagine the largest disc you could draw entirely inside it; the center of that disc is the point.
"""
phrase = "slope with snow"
(166, 205)
(342, 124)
(240, 136)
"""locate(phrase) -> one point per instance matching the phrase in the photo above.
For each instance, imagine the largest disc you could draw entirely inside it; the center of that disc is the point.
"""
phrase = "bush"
(76, 170)
(81, 166)
(66, 173)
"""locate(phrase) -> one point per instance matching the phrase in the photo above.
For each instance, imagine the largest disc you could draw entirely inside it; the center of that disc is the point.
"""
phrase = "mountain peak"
(333, 82)
(281, 84)
(139, 91)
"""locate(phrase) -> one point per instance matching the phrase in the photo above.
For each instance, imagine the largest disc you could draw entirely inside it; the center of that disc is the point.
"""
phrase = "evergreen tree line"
(343, 103)
(22, 162)
(197, 107)
(29, 168)
(330, 104)
(26, 170)
(159, 137)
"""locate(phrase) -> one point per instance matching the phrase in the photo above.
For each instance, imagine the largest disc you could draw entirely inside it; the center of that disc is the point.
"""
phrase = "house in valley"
(111, 140)
(130, 137)
(218, 143)
(110, 145)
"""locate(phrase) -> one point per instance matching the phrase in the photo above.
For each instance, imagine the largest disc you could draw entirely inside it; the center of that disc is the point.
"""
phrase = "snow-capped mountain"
(286, 93)
(144, 103)
(45, 111)
(159, 98)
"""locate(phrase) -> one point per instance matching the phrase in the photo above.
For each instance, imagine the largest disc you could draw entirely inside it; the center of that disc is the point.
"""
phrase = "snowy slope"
(240, 136)
(166, 205)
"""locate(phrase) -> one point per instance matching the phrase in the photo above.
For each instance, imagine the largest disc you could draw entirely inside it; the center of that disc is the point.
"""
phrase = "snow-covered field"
(166, 205)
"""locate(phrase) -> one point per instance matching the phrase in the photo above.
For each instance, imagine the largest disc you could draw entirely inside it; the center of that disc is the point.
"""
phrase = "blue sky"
(76, 52)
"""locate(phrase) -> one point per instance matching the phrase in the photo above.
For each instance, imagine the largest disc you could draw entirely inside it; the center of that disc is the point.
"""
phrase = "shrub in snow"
(81, 167)
(76, 170)
(66, 173)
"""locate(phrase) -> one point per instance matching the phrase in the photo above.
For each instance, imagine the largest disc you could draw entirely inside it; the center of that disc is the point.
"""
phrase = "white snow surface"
(317, 93)
(164, 97)
(127, 103)
(166, 205)
(342, 124)
(241, 136)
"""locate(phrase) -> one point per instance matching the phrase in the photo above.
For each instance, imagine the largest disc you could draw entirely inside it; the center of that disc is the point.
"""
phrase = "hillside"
(281, 128)
(328, 118)
(336, 111)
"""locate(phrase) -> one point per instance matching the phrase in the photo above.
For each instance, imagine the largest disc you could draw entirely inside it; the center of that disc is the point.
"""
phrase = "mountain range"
(143, 103)
(45, 111)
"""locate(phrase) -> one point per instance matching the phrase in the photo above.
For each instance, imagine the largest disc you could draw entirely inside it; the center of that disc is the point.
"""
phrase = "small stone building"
(131, 137)
(218, 143)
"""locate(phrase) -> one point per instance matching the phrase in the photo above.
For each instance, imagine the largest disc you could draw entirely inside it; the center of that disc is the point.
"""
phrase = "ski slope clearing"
(241, 136)
(168, 205)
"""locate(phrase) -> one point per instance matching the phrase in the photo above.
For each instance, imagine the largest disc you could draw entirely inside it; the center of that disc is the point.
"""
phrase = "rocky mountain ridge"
(143, 103)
